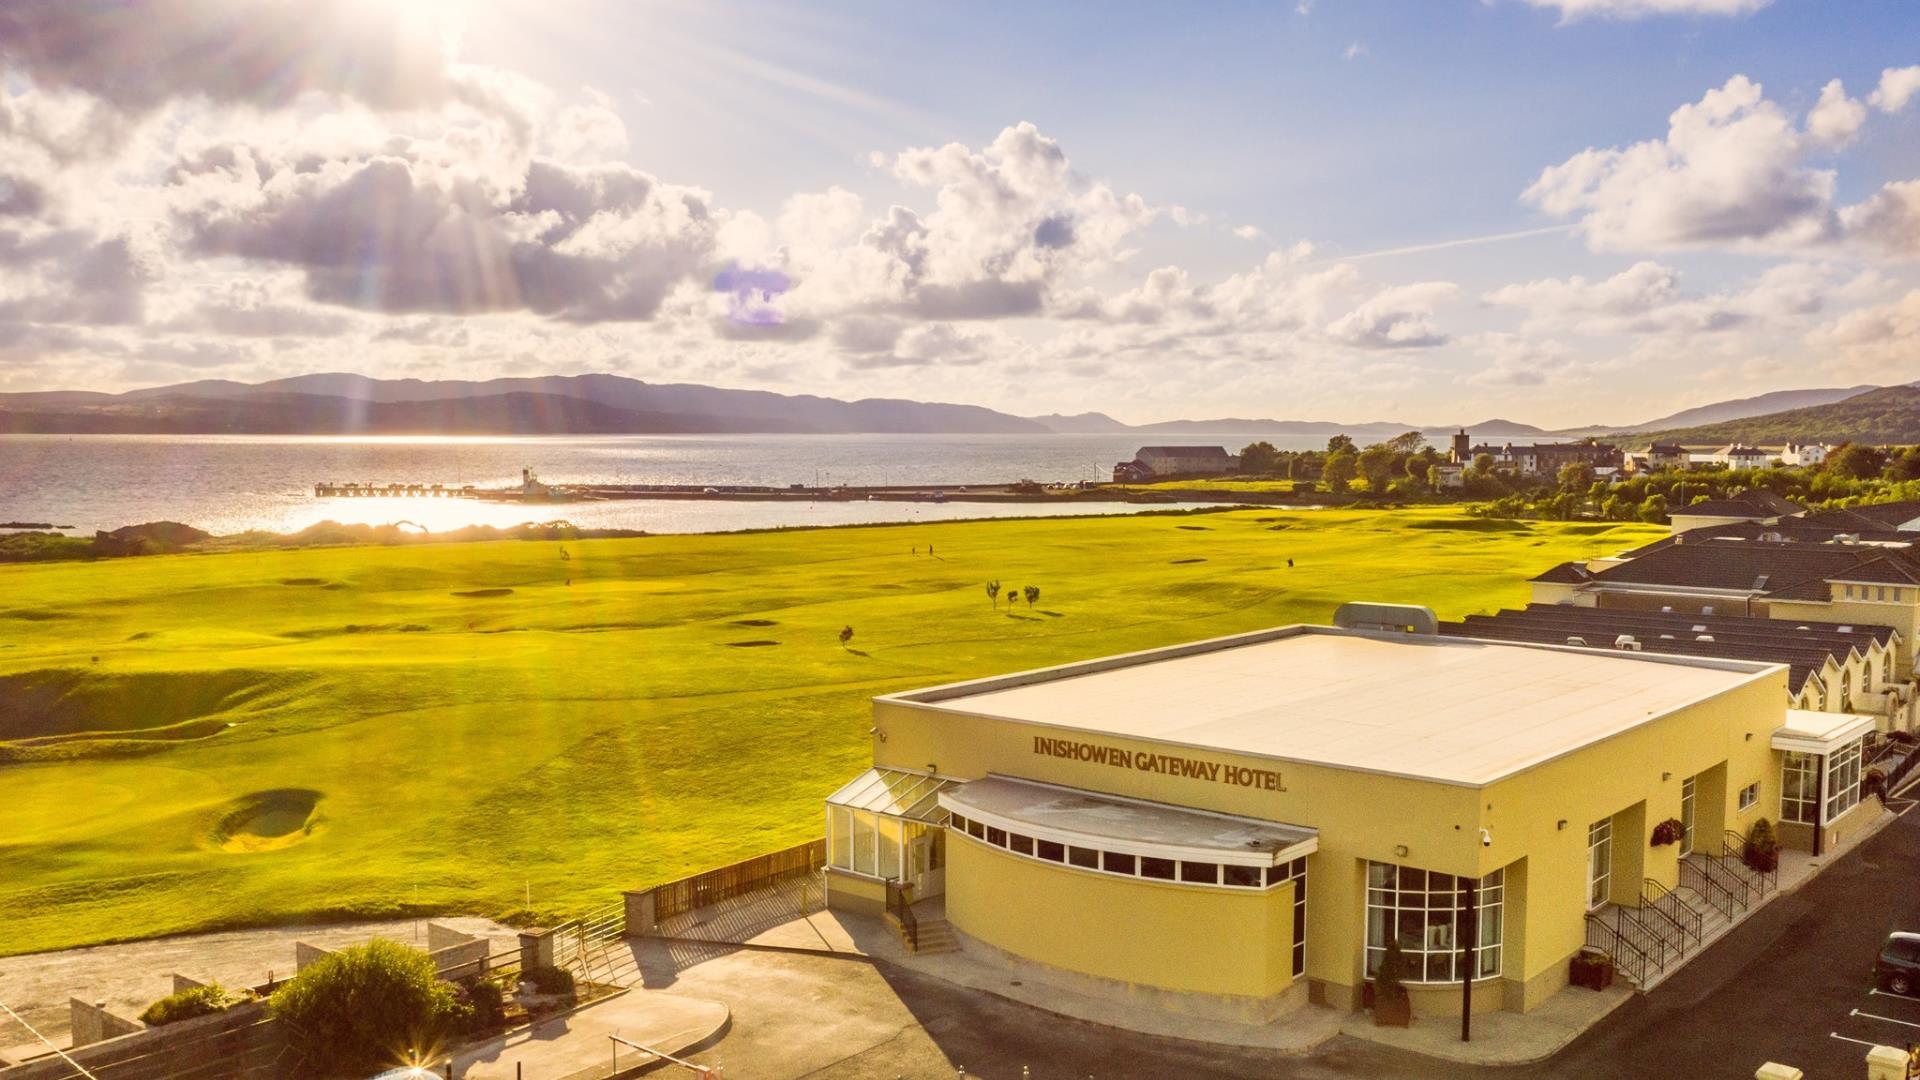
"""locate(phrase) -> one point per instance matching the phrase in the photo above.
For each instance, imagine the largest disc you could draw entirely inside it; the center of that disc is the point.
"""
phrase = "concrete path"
(130, 976)
(576, 1046)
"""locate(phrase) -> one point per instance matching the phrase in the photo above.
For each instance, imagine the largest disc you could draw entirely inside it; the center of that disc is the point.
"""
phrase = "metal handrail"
(1627, 923)
(1620, 945)
(618, 1042)
(1699, 876)
(902, 910)
(1684, 920)
(1761, 881)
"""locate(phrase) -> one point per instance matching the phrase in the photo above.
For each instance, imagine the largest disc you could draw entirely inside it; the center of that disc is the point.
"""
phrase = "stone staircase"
(936, 936)
(1670, 926)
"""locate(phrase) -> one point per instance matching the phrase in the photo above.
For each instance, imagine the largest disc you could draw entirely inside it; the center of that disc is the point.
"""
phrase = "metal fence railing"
(726, 882)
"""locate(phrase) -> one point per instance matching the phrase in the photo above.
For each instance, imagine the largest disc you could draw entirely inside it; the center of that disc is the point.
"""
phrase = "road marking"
(1843, 1038)
(1888, 1019)
(1877, 992)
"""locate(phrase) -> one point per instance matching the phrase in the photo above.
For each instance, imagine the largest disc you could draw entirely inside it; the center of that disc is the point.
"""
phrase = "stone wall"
(240, 1042)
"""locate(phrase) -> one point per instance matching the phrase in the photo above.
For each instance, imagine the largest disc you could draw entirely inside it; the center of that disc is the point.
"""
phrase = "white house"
(1805, 453)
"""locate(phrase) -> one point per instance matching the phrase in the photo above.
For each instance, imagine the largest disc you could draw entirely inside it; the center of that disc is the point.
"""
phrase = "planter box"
(1392, 1009)
(1590, 975)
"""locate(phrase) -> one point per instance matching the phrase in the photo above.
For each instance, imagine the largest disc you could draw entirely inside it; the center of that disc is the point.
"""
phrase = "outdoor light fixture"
(1562, 824)
(1666, 776)
(1400, 851)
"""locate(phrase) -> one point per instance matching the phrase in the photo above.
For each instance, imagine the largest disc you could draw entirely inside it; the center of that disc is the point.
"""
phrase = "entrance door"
(927, 863)
(1686, 816)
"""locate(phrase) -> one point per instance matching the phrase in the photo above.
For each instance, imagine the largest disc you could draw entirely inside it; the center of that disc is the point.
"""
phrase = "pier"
(330, 490)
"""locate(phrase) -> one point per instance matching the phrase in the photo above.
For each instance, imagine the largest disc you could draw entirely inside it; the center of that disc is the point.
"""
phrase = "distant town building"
(1662, 456)
(1736, 456)
(1757, 505)
(1166, 462)
(1547, 459)
(1805, 454)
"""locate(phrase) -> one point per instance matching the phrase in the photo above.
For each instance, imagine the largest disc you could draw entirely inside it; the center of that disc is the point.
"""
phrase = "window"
(1686, 816)
(1051, 851)
(1843, 780)
(1420, 909)
(1599, 862)
(1244, 877)
(1085, 858)
(1205, 873)
(1295, 871)
(1158, 869)
(1020, 844)
(1799, 788)
(996, 837)
(1113, 862)
(1749, 796)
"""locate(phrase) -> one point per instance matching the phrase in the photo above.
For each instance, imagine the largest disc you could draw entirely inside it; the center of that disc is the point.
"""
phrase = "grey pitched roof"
(1764, 568)
(1803, 646)
(1184, 451)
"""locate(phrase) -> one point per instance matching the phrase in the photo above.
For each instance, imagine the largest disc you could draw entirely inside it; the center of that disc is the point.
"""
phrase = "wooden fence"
(726, 882)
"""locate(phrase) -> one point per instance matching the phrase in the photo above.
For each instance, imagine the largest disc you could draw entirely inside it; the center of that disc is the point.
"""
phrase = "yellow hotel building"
(1235, 827)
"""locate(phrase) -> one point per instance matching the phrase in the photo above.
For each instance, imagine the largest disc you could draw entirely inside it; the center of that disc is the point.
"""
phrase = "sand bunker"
(268, 821)
(761, 644)
(479, 593)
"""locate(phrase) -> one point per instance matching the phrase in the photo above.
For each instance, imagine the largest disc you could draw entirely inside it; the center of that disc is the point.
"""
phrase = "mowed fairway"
(202, 741)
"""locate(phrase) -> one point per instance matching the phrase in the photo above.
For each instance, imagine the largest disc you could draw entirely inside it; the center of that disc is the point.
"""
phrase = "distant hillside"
(552, 405)
(1890, 414)
(1086, 423)
(1743, 408)
(1371, 430)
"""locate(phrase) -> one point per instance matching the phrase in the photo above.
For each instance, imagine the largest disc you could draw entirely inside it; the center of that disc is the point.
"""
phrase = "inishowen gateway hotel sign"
(1169, 764)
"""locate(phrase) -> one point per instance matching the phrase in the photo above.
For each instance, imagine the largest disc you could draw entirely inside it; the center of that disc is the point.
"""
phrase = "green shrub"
(485, 1003)
(549, 980)
(368, 1007)
(1762, 850)
(189, 1003)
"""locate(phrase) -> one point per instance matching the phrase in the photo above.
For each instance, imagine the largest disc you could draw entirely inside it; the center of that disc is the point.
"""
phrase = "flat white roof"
(1127, 825)
(1811, 732)
(1452, 710)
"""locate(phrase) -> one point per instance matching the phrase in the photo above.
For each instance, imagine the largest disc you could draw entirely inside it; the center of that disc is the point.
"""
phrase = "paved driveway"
(1778, 988)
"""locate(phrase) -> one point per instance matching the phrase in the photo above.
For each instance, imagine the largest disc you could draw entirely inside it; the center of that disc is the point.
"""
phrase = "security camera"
(1486, 837)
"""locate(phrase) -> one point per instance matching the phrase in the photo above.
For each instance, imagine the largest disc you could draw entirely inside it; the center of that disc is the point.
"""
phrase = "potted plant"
(1391, 1005)
(1593, 970)
(1762, 849)
(1668, 832)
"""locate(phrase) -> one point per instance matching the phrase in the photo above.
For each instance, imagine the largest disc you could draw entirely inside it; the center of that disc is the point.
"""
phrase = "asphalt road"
(1778, 988)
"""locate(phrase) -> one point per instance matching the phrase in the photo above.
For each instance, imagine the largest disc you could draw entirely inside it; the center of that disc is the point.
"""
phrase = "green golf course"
(199, 741)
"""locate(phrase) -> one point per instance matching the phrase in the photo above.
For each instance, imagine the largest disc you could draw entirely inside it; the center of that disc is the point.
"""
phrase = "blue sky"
(1232, 189)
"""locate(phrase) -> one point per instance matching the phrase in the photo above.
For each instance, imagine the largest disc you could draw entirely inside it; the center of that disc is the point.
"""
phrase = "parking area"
(1879, 1018)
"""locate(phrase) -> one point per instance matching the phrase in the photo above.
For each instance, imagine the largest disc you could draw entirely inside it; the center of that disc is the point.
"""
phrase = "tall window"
(1686, 816)
(1843, 779)
(1421, 909)
(1799, 788)
(1599, 862)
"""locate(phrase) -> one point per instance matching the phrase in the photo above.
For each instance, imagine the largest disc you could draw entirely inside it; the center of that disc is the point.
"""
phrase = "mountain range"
(599, 404)
(345, 404)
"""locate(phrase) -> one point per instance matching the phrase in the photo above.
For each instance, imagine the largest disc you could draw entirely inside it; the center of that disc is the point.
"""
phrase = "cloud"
(1879, 341)
(925, 345)
(1897, 87)
(1574, 10)
(1396, 318)
(1889, 221)
(393, 234)
(1646, 300)
(1731, 173)
(269, 54)
(1249, 232)
(1837, 118)
(1354, 51)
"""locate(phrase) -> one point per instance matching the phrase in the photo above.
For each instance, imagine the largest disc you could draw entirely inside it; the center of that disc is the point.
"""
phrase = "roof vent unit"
(1576, 640)
(1772, 537)
(1699, 628)
(1666, 637)
(1627, 642)
(1667, 609)
(1706, 609)
(1703, 637)
(1804, 626)
(1846, 538)
(1846, 628)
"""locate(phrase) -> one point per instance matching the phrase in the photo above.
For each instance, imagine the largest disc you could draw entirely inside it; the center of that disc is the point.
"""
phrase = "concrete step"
(936, 936)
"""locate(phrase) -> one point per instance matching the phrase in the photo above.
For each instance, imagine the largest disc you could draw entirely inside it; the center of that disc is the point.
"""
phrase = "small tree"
(846, 635)
(368, 1007)
(1339, 470)
(1033, 595)
(993, 593)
